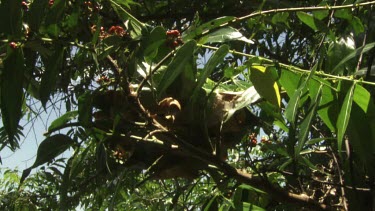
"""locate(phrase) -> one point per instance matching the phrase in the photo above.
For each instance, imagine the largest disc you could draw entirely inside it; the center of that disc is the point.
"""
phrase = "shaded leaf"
(214, 60)
(36, 14)
(344, 116)
(354, 54)
(177, 66)
(282, 17)
(10, 16)
(49, 148)
(55, 13)
(153, 41)
(265, 84)
(85, 108)
(12, 95)
(61, 121)
(53, 67)
(328, 108)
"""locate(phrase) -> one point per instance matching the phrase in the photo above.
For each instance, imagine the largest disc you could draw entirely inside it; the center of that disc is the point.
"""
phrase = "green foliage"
(190, 105)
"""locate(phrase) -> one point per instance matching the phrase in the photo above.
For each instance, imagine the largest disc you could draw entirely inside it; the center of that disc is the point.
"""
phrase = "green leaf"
(61, 121)
(344, 116)
(36, 14)
(193, 32)
(137, 25)
(152, 43)
(49, 148)
(85, 108)
(12, 95)
(294, 102)
(282, 17)
(265, 84)
(363, 99)
(328, 108)
(343, 14)
(214, 60)
(177, 66)
(353, 54)
(10, 16)
(307, 122)
(55, 12)
(289, 81)
(224, 35)
(53, 67)
(357, 25)
(310, 21)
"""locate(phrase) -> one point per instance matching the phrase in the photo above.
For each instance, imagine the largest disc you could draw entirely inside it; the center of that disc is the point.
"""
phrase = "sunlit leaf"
(294, 102)
(224, 35)
(344, 116)
(265, 84)
(307, 122)
(194, 32)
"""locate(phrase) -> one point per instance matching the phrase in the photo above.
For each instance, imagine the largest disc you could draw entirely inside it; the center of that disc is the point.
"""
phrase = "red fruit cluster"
(13, 45)
(51, 2)
(173, 39)
(253, 140)
(117, 30)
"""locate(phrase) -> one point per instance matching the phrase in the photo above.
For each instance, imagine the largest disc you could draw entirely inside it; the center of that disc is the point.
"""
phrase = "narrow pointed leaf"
(214, 60)
(224, 35)
(177, 66)
(306, 123)
(12, 95)
(354, 54)
(344, 116)
(61, 121)
(294, 103)
(194, 32)
(49, 148)
(53, 67)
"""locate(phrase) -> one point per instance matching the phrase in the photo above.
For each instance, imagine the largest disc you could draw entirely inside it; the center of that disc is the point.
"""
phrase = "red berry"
(174, 33)
(51, 2)
(13, 45)
(253, 142)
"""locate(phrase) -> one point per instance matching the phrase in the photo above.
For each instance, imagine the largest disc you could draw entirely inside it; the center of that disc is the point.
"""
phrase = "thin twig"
(293, 68)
